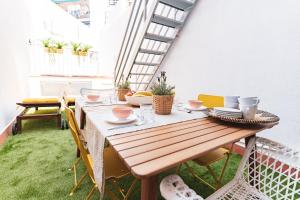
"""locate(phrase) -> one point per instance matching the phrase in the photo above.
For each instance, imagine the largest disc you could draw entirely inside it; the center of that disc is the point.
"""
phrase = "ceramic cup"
(231, 102)
(248, 100)
(249, 111)
(93, 97)
(195, 103)
(122, 112)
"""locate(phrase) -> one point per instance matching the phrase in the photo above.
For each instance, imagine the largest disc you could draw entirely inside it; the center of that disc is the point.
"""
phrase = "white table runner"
(96, 130)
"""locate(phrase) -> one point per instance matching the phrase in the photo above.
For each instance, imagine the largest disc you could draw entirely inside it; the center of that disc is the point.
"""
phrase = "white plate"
(231, 110)
(113, 120)
(195, 109)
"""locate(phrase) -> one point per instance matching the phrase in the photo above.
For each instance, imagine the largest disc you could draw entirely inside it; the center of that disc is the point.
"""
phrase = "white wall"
(14, 62)
(49, 20)
(111, 37)
(245, 47)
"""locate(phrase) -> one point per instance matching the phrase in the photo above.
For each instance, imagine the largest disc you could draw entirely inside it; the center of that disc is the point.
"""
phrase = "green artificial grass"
(35, 163)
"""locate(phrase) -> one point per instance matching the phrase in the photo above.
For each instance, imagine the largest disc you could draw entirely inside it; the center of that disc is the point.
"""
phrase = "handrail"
(129, 37)
(123, 41)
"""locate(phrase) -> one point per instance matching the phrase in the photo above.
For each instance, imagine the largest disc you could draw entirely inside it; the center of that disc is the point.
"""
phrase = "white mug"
(249, 100)
(248, 111)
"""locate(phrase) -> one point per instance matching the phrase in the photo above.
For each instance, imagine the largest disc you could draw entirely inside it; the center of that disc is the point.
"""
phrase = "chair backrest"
(75, 133)
(211, 101)
(277, 169)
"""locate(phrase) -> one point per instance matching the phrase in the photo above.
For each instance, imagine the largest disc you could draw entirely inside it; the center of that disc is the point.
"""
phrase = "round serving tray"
(261, 117)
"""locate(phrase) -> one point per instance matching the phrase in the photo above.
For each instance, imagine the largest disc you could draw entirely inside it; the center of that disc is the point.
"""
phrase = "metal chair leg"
(79, 183)
(198, 177)
(91, 192)
(130, 189)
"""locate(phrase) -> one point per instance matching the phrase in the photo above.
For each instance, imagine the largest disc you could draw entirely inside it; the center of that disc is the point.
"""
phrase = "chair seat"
(212, 156)
(237, 190)
(113, 166)
(40, 100)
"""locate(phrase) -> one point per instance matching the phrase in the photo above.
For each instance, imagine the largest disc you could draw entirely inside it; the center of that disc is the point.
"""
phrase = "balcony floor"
(34, 165)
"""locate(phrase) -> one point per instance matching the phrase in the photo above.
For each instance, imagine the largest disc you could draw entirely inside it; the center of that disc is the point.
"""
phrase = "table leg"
(252, 162)
(149, 188)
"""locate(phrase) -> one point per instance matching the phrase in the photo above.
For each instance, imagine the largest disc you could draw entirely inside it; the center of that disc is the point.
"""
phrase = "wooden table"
(151, 151)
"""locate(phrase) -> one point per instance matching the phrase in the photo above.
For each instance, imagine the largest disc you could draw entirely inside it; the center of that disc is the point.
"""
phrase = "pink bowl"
(93, 97)
(122, 112)
(195, 103)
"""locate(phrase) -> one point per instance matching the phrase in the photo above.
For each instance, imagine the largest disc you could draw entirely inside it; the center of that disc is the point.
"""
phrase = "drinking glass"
(147, 113)
(178, 104)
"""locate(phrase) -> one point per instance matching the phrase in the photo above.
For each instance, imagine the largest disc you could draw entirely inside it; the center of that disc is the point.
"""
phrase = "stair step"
(178, 4)
(145, 63)
(143, 74)
(158, 38)
(142, 83)
(151, 52)
(165, 21)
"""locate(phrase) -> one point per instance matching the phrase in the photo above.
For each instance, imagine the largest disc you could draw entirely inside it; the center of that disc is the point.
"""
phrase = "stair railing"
(139, 14)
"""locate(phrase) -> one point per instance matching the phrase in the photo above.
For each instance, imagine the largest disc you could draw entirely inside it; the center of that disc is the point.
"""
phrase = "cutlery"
(138, 123)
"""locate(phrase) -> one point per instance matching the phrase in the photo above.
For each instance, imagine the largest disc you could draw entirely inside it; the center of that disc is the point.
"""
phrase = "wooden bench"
(38, 104)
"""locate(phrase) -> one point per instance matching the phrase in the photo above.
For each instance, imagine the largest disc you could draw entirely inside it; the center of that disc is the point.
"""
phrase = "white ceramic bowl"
(136, 101)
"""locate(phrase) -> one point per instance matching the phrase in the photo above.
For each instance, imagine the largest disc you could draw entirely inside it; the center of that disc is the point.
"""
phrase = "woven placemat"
(261, 117)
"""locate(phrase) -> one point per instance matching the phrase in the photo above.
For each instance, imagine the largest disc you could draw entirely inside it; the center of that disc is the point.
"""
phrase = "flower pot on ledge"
(53, 50)
(122, 93)
(163, 104)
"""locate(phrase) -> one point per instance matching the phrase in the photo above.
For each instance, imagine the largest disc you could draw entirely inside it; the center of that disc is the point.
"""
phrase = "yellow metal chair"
(114, 168)
(211, 157)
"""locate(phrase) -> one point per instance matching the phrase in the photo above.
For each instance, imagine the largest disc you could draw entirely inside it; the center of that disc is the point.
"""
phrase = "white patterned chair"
(268, 171)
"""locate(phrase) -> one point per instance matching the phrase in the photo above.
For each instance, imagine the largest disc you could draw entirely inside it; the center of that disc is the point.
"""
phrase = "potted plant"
(163, 95)
(49, 45)
(79, 49)
(75, 47)
(59, 47)
(84, 50)
(123, 89)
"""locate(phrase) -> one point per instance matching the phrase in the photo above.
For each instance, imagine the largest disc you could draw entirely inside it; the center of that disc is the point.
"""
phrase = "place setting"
(125, 116)
(243, 110)
(190, 106)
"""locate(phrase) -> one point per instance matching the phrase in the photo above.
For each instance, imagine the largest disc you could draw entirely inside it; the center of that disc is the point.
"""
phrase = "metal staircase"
(152, 28)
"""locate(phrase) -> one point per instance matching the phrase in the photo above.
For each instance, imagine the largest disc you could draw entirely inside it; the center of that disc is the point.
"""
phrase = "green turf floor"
(34, 165)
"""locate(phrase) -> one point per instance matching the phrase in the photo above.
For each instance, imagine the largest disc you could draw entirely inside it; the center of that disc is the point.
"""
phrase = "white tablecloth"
(96, 130)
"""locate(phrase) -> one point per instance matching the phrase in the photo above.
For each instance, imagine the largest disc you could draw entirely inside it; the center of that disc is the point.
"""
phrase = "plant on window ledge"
(59, 47)
(123, 89)
(52, 46)
(79, 49)
(163, 95)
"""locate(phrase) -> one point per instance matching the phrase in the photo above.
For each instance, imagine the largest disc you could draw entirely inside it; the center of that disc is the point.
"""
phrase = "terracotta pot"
(122, 93)
(163, 104)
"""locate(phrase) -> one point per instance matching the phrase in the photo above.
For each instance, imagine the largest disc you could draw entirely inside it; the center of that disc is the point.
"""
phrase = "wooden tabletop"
(151, 151)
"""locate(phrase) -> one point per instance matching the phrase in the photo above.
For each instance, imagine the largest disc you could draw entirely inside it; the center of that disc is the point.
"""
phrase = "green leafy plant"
(124, 84)
(161, 87)
(86, 48)
(46, 42)
(75, 46)
(60, 45)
